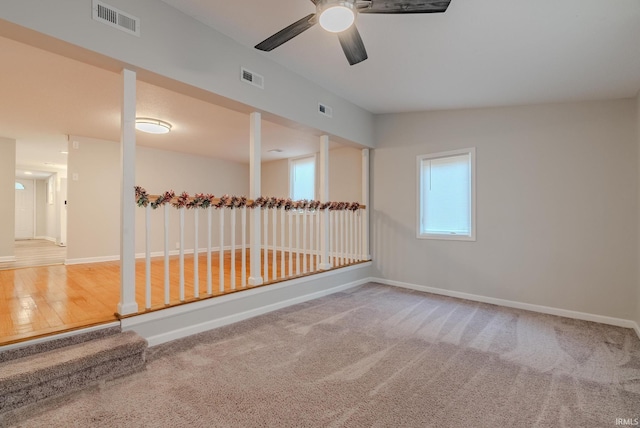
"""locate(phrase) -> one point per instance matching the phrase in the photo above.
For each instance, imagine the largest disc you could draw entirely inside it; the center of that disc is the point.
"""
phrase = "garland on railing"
(201, 200)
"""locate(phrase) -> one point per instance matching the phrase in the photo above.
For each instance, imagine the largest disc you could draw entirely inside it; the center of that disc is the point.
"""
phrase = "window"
(446, 195)
(302, 178)
(19, 186)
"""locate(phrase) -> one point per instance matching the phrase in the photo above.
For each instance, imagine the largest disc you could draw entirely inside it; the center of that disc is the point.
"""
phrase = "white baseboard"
(619, 322)
(171, 253)
(7, 259)
(138, 256)
(46, 238)
(258, 309)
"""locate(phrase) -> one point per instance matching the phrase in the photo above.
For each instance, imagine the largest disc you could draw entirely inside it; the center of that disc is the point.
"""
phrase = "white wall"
(179, 47)
(345, 176)
(41, 208)
(7, 193)
(557, 204)
(94, 198)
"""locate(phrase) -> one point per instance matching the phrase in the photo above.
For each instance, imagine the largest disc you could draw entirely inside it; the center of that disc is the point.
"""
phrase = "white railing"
(291, 245)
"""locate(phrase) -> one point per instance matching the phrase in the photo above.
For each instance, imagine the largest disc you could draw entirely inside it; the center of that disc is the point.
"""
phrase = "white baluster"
(181, 211)
(209, 231)
(312, 232)
(147, 255)
(283, 272)
(274, 250)
(196, 274)
(244, 247)
(297, 242)
(232, 213)
(291, 242)
(304, 241)
(166, 254)
(221, 252)
(265, 246)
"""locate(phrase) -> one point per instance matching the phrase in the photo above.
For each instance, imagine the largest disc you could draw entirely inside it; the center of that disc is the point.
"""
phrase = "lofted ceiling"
(476, 54)
(41, 109)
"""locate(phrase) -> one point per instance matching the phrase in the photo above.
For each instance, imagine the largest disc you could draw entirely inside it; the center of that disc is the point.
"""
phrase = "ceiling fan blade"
(352, 45)
(287, 34)
(403, 6)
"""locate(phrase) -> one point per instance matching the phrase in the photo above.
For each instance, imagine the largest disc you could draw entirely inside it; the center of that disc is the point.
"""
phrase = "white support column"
(127, 304)
(255, 140)
(366, 255)
(325, 263)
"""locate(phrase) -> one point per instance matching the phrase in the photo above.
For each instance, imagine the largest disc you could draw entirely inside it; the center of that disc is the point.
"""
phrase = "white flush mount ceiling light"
(337, 16)
(152, 126)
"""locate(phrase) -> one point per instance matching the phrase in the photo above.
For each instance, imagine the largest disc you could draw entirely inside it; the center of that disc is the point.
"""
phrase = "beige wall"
(345, 176)
(557, 204)
(94, 199)
(638, 160)
(7, 192)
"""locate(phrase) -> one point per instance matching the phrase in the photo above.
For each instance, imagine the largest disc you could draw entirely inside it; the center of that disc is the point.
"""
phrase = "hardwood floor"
(37, 301)
(36, 252)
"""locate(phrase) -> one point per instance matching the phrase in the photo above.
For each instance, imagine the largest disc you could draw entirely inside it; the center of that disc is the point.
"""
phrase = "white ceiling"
(40, 109)
(477, 54)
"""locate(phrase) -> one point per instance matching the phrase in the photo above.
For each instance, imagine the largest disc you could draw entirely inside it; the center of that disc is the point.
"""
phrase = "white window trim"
(315, 173)
(441, 236)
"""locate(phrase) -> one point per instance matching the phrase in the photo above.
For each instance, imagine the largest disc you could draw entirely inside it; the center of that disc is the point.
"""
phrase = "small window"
(19, 186)
(446, 195)
(302, 178)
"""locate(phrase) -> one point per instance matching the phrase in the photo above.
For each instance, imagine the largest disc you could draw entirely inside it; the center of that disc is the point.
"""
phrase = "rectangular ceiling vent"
(251, 78)
(115, 18)
(325, 110)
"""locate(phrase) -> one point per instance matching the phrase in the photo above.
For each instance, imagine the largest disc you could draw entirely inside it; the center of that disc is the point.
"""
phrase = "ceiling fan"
(338, 16)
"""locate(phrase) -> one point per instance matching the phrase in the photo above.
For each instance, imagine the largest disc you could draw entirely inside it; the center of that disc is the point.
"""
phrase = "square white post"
(127, 304)
(366, 255)
(325, 263)
(255, 140)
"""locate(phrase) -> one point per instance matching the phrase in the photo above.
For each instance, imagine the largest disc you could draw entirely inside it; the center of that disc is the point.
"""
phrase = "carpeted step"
(56, 342)
(32, 378)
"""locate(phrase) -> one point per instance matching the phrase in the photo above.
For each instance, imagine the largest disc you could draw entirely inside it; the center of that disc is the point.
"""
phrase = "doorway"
(25, 209)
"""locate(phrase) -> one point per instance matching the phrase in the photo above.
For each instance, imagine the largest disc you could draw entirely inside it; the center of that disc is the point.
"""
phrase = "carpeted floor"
(374, 356)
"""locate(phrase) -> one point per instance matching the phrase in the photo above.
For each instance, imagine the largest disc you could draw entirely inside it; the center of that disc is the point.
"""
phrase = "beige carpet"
(375, 356)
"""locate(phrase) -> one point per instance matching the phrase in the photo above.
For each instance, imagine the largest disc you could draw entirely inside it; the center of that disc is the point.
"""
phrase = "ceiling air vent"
(115, 18)
(251, 78)
(325, 110)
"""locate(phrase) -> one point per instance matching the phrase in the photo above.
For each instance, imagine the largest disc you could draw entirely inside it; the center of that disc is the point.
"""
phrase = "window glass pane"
(446, 195)
(19, 186)
(303, 174)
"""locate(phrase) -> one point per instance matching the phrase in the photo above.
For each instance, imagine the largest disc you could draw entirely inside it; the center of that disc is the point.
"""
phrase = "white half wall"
(8, 191)
(181, 321)
(557, 205)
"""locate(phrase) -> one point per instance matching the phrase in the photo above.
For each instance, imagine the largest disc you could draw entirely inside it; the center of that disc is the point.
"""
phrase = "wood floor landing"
(39, 301)
(36, 252)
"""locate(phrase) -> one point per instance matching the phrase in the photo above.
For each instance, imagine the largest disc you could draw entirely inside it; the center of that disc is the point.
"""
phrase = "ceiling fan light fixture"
(152, 126)
(338, 16)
